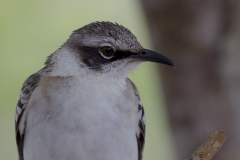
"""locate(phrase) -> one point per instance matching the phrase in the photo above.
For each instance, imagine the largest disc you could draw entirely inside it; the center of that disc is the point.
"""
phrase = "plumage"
(28, 87)
(81, 105)
(141, 123)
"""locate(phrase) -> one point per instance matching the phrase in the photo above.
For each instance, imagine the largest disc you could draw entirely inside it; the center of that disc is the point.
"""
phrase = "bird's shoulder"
(130, 83)
(140, 133)
(25, 94)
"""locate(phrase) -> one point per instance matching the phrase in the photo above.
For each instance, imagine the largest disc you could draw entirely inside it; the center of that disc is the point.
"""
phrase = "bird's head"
(108, 49)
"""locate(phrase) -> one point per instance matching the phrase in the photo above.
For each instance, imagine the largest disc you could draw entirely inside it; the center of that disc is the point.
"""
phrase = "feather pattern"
(28, 87)
(140, 134)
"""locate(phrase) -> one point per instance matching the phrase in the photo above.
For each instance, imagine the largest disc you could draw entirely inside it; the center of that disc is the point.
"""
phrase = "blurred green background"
(32, 30)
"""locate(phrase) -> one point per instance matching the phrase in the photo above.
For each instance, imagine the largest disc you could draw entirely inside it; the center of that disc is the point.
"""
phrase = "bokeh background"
(183, 105)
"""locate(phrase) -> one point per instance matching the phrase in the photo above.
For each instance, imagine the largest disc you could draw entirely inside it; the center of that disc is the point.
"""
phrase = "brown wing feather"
(28, 87)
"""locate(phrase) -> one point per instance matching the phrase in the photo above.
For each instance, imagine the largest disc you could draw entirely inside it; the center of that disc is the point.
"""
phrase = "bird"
(81, 105)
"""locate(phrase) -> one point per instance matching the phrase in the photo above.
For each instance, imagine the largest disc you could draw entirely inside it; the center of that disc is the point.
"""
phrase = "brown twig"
(210, 147)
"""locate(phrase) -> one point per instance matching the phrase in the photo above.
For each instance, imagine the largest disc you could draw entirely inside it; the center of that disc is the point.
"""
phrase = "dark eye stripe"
(91, 57)
(121, 55)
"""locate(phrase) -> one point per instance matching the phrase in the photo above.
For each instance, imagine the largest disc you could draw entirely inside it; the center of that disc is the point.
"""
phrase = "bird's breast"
(88, 120)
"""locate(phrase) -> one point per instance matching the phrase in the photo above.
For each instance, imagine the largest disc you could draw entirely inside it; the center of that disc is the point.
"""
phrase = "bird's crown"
(121, 37)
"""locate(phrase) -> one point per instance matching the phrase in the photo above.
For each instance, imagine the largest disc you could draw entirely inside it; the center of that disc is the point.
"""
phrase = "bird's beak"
(151, 56)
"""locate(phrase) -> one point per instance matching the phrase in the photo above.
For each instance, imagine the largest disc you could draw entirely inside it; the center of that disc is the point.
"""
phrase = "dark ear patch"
(91, 57)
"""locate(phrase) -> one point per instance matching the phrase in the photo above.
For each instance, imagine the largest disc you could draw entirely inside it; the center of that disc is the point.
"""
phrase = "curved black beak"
(151, 56)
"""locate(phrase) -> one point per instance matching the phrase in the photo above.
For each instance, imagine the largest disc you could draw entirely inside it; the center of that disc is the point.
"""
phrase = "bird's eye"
(107, 51)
